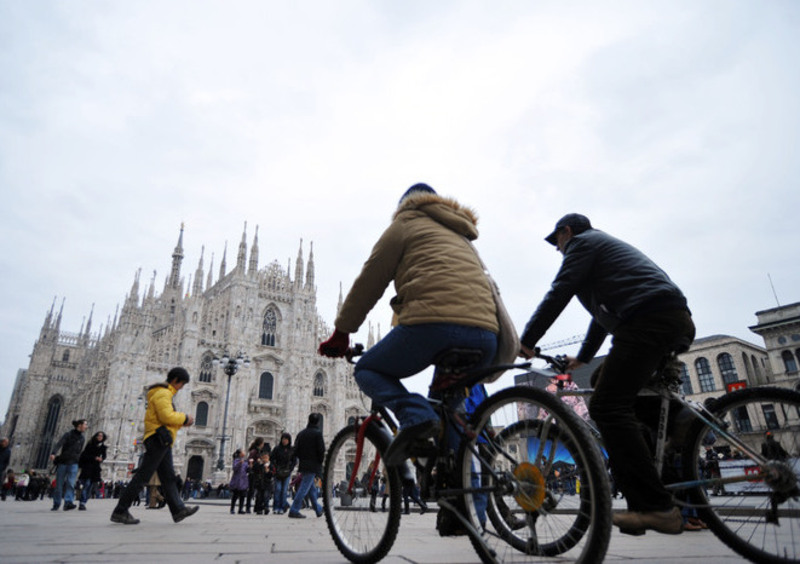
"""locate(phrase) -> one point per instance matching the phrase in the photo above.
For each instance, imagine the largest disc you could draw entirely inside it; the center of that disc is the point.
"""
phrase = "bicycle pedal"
(632, 532)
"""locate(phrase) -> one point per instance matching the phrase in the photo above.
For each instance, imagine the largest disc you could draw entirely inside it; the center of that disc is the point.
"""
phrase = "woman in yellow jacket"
(161, 424)
(443, 301)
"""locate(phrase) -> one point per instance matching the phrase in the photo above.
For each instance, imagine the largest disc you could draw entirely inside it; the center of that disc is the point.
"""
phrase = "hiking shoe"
(125, 518)
(185, 512)
(637, 522)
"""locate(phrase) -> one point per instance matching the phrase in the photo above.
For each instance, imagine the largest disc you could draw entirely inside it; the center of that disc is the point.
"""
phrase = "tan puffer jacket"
(437, 276)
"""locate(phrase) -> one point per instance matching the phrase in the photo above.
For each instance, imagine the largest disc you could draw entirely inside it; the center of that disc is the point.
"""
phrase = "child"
(262, 478)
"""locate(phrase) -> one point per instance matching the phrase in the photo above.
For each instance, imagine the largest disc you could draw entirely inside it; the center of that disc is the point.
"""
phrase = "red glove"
(336, 346)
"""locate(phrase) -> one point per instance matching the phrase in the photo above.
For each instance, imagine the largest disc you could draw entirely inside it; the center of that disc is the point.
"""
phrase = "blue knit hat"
(417, 188)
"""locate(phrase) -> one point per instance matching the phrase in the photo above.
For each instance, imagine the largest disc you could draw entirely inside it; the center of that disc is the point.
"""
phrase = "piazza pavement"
(32, 534)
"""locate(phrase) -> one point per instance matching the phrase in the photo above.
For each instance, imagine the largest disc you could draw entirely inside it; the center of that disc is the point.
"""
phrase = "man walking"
(309, 448)
(161, 424)
(631, 298)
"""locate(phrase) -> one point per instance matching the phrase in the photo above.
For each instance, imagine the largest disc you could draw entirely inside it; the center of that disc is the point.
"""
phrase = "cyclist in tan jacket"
(443, 300)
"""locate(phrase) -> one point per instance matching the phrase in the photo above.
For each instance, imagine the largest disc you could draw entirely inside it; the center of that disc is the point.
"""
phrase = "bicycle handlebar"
(558, 362)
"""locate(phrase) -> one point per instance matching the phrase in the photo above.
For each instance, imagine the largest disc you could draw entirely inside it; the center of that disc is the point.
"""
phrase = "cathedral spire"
(89, 323)
(298, 267)
(210, 280)
(133, 297)
(198, 275)
(222, 265)
(341, 299)
(60, 313)
(253, 268)
(48, 320)
(177, 258)
(241, 258)
(151, 291)
(310, 269)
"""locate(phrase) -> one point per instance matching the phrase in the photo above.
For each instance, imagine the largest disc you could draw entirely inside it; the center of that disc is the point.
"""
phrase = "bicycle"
(756, 505)
(501, 486)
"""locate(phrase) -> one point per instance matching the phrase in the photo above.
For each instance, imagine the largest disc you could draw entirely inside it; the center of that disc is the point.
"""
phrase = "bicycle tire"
(739, 513)
(527, 515)
(363, 534)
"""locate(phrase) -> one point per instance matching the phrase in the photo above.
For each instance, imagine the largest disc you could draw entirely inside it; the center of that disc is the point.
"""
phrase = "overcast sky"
(673, 125)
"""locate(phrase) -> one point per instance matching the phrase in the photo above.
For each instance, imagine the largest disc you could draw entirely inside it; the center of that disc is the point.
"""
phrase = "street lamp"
(230, 366)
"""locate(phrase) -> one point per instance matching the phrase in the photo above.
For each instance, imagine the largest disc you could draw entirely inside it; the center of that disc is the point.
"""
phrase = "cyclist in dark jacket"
(629, 296)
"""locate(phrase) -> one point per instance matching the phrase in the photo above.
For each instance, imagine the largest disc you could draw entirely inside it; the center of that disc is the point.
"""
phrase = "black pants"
(638, 347)
(157, 458)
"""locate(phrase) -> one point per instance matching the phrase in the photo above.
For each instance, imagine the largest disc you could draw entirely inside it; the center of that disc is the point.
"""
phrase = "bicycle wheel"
(545, 489)
(362, 530)
(758, 518)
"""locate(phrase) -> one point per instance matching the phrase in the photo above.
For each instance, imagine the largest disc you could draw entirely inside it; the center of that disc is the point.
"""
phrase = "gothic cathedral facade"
(267, 315)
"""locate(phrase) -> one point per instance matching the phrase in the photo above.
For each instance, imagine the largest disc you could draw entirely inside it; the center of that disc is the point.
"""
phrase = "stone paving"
(32, 534)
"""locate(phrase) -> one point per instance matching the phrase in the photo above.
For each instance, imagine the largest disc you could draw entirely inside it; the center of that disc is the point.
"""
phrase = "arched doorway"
(195, 468)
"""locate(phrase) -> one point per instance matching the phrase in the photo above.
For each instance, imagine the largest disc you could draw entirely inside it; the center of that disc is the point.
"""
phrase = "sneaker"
(125, 518)
(54, 508)
(320, 513)
(81, 507)
(400, 447)
(69, 506)
(185, 512)
(637, 522)
(293, 515)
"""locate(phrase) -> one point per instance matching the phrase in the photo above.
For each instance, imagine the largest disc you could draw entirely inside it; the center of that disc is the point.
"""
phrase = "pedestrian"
(91, 459)
(239, 480)
(444, 300)
(411, 493)
(309, 450)
(253, 454)
(282, 457)
(261, 476)
(631, 298)
(161, 425)
(5, 457)
(772, 449)
(70, 444)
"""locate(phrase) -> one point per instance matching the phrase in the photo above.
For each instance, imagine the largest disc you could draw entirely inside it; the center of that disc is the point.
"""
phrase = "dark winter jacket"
(70, 444)
(88, 463)
(309, 449)
(613, 280)
(282, 457)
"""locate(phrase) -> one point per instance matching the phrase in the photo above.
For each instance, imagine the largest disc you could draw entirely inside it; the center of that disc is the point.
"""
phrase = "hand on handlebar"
(525, 352)
(336, 345)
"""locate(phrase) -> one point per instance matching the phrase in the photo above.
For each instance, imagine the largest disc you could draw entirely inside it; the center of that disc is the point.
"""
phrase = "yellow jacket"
(438, 278)
(160, 410)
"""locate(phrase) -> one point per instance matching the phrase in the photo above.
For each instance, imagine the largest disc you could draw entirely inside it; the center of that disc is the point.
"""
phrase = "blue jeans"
(306, 487)
(66, 475)
(88, 490)
(281, 491)
(407, 350)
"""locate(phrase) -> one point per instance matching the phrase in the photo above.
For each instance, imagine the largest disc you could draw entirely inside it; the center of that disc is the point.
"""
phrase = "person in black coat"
(70, 444)
(309, 449)
(92, 456)
(282, 460)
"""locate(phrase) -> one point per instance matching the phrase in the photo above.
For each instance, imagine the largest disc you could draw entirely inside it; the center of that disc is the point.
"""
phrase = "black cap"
(577, 222)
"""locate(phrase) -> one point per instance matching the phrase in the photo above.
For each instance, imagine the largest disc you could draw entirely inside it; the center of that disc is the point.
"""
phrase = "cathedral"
(263, 315)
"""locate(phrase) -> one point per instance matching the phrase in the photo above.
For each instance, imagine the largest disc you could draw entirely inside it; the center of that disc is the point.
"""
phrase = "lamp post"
(230, 366)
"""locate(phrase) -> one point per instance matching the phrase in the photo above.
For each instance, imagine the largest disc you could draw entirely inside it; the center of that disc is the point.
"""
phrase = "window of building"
(319, 385)
(65, 356)
(704, 375)
(201, 414)
(686, 380)
(270, 328)
(265, 386)
(50, 425)
(351, 420)
(741, 419)
(770, 417)
(727, 368)
(206, 368)
(789, 361)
